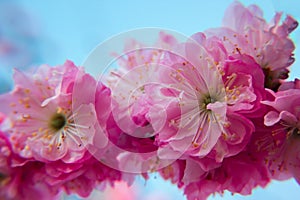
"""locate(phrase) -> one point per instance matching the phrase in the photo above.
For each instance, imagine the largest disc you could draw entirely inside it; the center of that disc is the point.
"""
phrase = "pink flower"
(246, 31)
(19, 178)
(196, 114)
(212, 100)
(240, 74)
(82, 177)
(53, 114)
(237, 174)
(132, 85)
(283, 141)
(128, 153)
(240, 173)
(134, 80)
(20, 184)
(201, 178)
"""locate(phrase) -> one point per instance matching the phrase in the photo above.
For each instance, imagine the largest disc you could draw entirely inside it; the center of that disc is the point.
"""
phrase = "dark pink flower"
(237, 174)
(19, 178)
(80, 178)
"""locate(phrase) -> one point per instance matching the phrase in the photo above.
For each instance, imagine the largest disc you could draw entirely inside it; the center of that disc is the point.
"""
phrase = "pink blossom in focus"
(48, 121)
(208, 116)
(195, 113)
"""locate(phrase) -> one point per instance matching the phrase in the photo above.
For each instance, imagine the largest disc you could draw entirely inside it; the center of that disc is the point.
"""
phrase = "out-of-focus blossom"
(201, 178)
(81, 177)
(283, 139)
(238, 174)
(132, 86)
(246, 31)
(20, 178)
(132, 82)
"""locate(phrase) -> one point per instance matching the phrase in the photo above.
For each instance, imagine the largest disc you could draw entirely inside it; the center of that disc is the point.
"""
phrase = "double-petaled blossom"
(201, 178)
(81, 177)
(282, 141)
(246, 31)
(55, 119)
(211, 105)
(53, 113)
(237, 174)
(20, 178)
(31, 179)
(133, 85)
(133, 82)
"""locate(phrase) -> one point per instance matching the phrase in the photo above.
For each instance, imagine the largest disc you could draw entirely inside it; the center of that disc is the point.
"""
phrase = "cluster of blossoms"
(211, 114)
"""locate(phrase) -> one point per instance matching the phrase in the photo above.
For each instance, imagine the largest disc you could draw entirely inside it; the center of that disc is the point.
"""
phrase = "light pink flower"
(53, 114)
(283, 141)
(246, 31)
(132, 83)
(132, 86)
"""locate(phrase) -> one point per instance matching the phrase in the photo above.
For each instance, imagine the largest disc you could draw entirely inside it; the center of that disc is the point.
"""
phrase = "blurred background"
(36, 32)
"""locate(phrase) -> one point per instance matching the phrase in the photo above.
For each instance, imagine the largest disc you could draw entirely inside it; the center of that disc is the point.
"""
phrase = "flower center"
(295, 132)
(272, 78)
(207, 100)
(57, 122)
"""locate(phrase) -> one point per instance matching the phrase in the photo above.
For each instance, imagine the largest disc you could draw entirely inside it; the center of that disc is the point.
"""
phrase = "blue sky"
(72, 30)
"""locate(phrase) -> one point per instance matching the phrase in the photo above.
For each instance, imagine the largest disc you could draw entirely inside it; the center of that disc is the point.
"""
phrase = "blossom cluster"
(210, 114)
